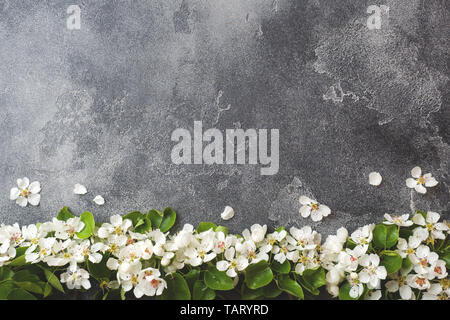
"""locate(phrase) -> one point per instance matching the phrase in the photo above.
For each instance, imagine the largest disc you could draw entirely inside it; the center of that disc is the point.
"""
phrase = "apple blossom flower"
(26, 192)
(356, 287)
(436, 292)
(419, 182)
(436, 229)
(372, 272)
(399, 283)
(424, 260)
(399, 220)
(312, 208)
(76, 279)
(417, 281)
(233, 264)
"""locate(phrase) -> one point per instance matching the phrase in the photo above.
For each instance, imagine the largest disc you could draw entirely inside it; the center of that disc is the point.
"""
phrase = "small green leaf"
(221, 229)
(25, 275)
(5, 289)
(314, 277)
(65, 214)
(53, 280)
(47, 290)
(217, 280)
(385, 236)
(205, 226)
(391, 260)
(155, 218)
(290, 286)
(144, 226)
(202, 292)
(134, 216)
(89, 224)
(250, 294)
(177, 288)
(168, 219)
(20, 294)
(284, 268)
(30, 286)
(18, 262)
(258, 275)
(191, 277)
(99, 271)
(6, 273)
(271, 290)
(446, 258)
(344, 292)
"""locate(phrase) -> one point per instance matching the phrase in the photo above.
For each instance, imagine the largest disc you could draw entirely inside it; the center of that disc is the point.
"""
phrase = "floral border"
(136, 256)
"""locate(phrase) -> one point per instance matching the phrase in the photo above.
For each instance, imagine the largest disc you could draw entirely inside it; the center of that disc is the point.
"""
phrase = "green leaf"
(144, 226)
(6, 273)
(191, 277)
(350, 243)
(202, 292)
(446, 258)
(284, 268)
(20, 294)
(205, 226)
(406, 263)
(258, 275)
(177, 288)
(314, 277)
(5, 289)
(251, 294)
(290, 286)
(155, 218)
(25, 275)
(344, 292)
(217, 280)
(134, 216)
(30, 286)
(89, 224)
(271, 290)
(53, 280)
(65, 214)
(385, 236)
(391, 260)
(47, 290)
(168, 219)
(21, 251)
(307, 286)
(221, 229)
(18, 262)
(100, 271)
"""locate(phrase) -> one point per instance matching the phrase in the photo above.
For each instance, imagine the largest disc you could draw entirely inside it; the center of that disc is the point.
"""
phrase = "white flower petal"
(22, 201)
(431, 182)
(99, 200)
(228, 213)
(420, 189)
(416, 172)
(14, 193)
(324, 210)
(305, 211)
(375, 178)
(79, 189)
(34, 199)
(304, 200)
(23, 183)
(35, 187)
(411, 183)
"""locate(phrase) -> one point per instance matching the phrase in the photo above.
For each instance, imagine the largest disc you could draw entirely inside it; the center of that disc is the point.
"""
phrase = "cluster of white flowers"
(141, 259)
(359, 265)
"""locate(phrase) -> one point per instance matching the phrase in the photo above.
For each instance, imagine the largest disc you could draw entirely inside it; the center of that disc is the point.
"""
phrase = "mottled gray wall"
(97, 106)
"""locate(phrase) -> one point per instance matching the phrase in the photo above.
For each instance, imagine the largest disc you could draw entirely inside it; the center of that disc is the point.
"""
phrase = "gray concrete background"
(97, 106)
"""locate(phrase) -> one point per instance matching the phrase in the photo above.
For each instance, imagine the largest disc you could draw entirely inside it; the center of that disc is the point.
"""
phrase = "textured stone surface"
(97, 106)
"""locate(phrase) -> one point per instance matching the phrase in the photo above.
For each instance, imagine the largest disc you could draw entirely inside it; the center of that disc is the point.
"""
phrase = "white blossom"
(26, 192)
(420, 182)
(312, 208)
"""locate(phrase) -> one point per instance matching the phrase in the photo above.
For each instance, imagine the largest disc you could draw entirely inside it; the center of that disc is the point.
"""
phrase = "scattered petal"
(228, 213)
(99, 200)
(375, 178)
(79, 189)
